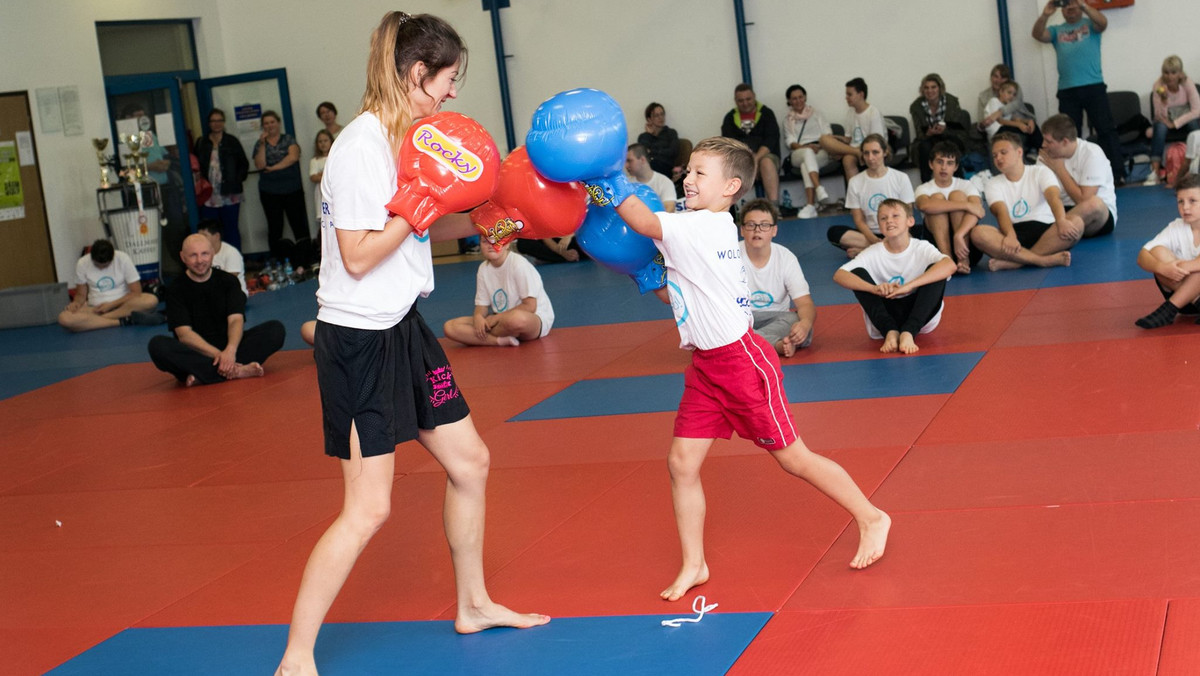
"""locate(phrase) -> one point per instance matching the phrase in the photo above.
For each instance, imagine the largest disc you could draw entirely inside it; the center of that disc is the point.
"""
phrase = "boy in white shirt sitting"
(225, 256)
(951, 207)
(776, 282)
(511, 304)
(1173, 257)
(108, 293)
(899, 282)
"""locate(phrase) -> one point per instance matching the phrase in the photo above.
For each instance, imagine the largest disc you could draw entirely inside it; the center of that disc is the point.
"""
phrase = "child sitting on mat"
(734, 381)
(1173, 257)
(899, 282)
(511, 304)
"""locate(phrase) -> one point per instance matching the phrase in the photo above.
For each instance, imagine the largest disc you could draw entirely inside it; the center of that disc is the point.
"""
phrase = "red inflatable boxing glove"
(448, 162)
(529, 206)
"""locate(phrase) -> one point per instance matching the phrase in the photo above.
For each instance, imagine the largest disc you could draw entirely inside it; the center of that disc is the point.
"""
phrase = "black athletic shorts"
(1109, 226)
(389, 383)
(1029, 232)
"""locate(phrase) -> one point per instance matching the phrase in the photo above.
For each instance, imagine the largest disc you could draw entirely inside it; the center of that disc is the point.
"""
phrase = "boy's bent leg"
(875, 307)
(462, 329)
(520, 324)
(828, 477)
(687, 495)
(773, 327)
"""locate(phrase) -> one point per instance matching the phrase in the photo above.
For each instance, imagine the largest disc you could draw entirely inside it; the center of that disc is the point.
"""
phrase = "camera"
(1061, 3)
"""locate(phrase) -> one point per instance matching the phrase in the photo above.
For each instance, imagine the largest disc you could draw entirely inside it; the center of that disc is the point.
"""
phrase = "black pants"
(181, 361)
(292, 204)
(907, 314)
(1073, 101)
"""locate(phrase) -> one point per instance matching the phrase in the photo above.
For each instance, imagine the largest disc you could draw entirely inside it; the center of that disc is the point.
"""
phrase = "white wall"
(682, 54)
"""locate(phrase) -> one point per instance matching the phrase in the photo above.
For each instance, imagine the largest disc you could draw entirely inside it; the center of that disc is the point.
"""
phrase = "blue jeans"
(1159, 143)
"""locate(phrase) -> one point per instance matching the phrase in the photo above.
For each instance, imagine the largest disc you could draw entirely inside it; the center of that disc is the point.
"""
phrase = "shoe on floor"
(136, 318)
(1152, 179)
(809, 211)
(788, 212)
(823, 195)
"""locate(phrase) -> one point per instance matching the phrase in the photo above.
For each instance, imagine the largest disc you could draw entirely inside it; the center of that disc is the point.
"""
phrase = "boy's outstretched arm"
(638, 216)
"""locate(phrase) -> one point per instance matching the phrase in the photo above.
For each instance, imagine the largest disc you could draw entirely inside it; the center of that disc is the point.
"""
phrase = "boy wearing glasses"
(776, 282)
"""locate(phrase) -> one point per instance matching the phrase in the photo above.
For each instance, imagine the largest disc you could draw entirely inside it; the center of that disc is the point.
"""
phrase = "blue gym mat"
(623, 645)
(832, 381)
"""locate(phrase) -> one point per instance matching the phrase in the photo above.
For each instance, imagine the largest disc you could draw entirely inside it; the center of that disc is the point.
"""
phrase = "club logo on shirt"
(897, 279)
(448, 153)
(761, 299)
(678, 305)
(106, 283)
(1020, 209)
(875, 201)
(499, 301)
(441, 385)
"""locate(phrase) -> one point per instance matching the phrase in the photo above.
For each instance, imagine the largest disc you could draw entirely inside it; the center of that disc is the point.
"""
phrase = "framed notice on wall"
(1109, 4)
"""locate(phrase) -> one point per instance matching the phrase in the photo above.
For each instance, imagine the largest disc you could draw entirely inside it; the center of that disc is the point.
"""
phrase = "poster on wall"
(248, 127)
(12, 198)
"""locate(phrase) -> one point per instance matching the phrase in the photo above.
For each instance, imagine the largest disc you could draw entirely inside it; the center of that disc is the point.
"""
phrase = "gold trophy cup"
(136, 173)
(100, 144)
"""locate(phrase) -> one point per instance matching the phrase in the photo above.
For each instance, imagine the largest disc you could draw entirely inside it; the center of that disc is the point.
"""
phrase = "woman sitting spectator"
(1000, 74)
(937, 116)
(802, 130)
(224, 163)
(277, 156)
(668, 153)
(327, 114)
(1175, 105)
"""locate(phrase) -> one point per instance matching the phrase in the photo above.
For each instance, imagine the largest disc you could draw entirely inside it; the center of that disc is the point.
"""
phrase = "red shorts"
(738, 387)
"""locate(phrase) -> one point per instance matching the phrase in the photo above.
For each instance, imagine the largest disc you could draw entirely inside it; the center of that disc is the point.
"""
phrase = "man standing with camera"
(1080, 77)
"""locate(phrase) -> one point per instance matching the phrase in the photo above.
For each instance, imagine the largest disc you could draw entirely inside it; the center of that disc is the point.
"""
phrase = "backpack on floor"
(1175, 163)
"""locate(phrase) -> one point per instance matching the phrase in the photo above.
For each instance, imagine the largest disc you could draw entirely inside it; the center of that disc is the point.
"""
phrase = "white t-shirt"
(359, 181)
(861, 125)
(109, 282)
(661, 185)
(804, 132)
(903, 267)
(1089, 166)
(1026, 198)
(930, 188)
(706, 280)
(864, 192)
(230, 260)
(992, 106)
(1177, 237)
(316, 165)
(774, 285)
(503, 288)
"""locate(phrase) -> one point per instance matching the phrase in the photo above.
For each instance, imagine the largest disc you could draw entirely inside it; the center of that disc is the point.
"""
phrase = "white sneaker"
(809, 211)
(1152, 179)
(823, 195)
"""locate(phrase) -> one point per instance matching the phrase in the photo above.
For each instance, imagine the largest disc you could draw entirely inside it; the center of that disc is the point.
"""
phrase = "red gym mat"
(1180, 649)
(1048, 554)
(1085, 388)
(1118, 637)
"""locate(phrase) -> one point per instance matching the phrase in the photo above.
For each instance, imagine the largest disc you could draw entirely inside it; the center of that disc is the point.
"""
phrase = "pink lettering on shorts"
(441, 385)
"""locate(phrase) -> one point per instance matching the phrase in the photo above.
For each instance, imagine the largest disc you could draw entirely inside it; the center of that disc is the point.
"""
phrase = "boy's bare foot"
(251, 370)
(853, 251)
(998, 264)
(785, 348)
(688, 577)
(507, 341)
(964, 267)
(191, 380)
(471, 620)
(1060, 259)
(907, 344)
(872, 539)
(891, 342)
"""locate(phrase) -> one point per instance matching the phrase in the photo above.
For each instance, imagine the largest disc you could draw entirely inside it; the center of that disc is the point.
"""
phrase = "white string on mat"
(698, 606)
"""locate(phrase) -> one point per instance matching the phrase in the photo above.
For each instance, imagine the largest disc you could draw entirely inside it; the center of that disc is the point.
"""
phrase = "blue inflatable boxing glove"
(611, 242)
(651, 277)
(577, 135)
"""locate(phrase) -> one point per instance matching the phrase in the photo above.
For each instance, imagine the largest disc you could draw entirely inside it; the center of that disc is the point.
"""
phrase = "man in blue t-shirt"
(1080, 77)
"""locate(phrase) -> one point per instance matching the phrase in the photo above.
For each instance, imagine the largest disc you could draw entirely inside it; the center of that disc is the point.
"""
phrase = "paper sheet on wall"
(72, 113)
(164, 124)
(49, 111)
(12, 198)
(25, 148)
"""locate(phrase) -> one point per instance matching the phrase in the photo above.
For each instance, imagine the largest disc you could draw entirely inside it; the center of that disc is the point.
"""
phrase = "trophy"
(100, 144)
(136, 173)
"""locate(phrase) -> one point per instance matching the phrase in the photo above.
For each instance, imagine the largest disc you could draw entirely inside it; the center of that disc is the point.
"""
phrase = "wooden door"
(25, 253)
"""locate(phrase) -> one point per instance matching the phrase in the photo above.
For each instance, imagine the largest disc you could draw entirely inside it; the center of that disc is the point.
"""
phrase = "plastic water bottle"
(787, 200)
(287, 272)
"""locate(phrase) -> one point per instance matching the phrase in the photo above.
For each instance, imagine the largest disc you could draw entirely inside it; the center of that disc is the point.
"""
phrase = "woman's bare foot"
(872, 539)
(251, 370)
(688, 577)
(907, 344)
(891, 342)
(475, 619)
(290, 667)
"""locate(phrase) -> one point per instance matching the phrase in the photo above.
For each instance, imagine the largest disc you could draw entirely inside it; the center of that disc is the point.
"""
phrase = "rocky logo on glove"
(458, 159)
